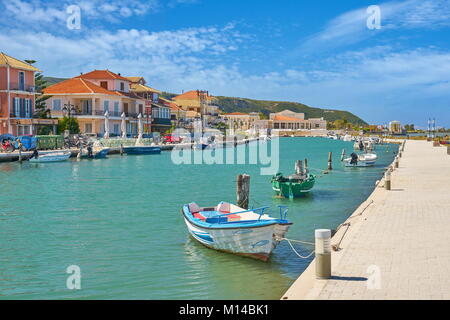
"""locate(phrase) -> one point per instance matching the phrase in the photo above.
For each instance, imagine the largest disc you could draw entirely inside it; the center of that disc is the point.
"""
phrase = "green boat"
(293, 186)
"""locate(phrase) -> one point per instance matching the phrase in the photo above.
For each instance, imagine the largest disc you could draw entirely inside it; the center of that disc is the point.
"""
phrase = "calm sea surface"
(119, 220)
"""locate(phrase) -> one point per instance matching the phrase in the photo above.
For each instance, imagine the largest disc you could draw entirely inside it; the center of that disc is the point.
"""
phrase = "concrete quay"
(395, 245)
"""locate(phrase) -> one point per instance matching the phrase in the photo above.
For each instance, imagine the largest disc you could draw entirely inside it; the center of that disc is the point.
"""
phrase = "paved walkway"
(399, 248)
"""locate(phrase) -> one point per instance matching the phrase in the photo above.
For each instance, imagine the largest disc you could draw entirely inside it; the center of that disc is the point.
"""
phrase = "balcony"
(15, 86)
(111, 113)
(161, 121)
(21, 115)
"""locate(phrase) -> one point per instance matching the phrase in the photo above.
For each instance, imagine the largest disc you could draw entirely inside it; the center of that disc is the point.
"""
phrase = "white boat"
(361, 160)
(231, 229)
(52, 157)
(347, 138)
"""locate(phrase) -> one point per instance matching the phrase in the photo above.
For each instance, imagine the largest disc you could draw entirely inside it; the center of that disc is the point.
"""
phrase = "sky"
(326, 54)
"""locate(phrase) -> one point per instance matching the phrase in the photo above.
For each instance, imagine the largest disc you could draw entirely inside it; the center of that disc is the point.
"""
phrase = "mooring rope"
(296, 252)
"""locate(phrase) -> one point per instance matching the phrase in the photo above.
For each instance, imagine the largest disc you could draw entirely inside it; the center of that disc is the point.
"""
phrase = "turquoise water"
(119, 220)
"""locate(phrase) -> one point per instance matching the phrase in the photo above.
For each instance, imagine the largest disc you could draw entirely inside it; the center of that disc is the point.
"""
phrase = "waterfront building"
(177, 115)
(240, 120)
(294, 121)
(88, 96)
(17, 98)
(395, 127)
(156, 114)
(192, 101)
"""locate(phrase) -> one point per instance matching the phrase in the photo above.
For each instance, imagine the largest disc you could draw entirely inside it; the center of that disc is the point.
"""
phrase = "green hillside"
(53, 80)
(229, 105)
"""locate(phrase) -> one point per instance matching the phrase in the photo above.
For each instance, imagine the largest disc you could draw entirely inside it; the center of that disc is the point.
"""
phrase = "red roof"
(76, 85)
(284, 118)
(236, 114)
(190, 95)
(102, 74)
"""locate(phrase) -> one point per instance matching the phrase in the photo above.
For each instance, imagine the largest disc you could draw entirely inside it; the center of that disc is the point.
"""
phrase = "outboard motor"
(89, 152)
(354, 159)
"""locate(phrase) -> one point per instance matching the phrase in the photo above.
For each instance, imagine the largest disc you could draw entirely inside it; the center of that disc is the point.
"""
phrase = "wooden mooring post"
(121, 149)
(343, 155)
(243, 190)
(330, 161)
(20, 151)
(448, 149)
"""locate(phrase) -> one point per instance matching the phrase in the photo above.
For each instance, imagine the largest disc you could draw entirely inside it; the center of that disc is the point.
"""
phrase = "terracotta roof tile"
(102, 74)
(284, 118)
(76, 85)
(16, 63)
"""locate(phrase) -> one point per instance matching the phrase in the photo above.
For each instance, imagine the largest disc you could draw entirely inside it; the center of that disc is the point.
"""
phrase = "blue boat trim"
(231, 225)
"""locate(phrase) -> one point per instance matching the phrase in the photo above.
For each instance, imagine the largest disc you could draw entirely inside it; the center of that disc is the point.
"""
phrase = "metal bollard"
(387, 180)
(396, 163)
(323, 253)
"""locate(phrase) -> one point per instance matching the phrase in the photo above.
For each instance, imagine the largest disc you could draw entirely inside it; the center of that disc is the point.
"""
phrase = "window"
(116, 107)
(122, 86)
(141, 109)
(104, 84)
(88, 128)
(22, 80)
(106, 105)
(57, 104)
(28, 108)
(116, 129)
(17, 107)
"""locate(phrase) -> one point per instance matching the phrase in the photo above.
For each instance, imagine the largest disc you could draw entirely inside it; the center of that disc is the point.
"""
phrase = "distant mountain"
(228, 105)
(53, 80)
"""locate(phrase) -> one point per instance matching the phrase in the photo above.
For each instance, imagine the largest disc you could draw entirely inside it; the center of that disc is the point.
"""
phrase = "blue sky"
(320, 53)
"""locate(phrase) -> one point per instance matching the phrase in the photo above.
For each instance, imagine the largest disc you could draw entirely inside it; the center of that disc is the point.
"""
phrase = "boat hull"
(293, 189)
(142, 150)
(253, 242)
(51, 158)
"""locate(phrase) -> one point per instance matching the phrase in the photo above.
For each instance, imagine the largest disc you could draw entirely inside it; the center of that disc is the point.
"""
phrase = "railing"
(22, 115)
(162, 121)
(21, 87)
(111, 113)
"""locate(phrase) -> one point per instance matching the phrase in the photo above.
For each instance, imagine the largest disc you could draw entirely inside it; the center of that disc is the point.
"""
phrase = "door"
(125, 108)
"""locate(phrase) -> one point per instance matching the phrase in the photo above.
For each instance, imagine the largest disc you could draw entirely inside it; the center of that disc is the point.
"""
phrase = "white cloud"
(351, 27)
(39, 14)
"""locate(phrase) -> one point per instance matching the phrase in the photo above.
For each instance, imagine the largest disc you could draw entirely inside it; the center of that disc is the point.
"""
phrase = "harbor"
(141, 248)
(393, 246)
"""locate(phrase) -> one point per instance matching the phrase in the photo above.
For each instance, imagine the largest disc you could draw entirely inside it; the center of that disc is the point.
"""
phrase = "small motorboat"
(293, 186)
(51, 157)
(229, 228)
(361, 160)
(95, 153)
(142, 150)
